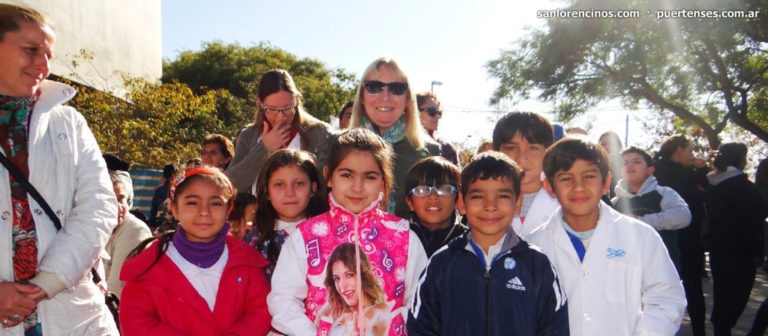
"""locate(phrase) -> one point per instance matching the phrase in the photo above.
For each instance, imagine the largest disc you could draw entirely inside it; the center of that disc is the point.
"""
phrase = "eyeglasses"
(424, 191)
(376, 87)
(432, 111)
(271, 110)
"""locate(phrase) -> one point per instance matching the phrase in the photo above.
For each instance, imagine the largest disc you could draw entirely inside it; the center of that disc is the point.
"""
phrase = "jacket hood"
(717, 176)
(240, 255)
(622, 187)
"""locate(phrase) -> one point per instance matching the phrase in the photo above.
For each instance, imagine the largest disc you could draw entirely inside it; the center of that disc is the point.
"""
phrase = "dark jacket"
(405, 157)
(519, 294)
(687, 182)
(737, 213)
(433, 241)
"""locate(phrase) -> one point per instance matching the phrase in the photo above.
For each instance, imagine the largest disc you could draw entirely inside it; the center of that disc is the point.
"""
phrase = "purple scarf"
(202, 255)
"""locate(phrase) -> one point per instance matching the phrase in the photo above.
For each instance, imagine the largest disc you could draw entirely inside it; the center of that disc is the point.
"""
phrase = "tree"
(708, 72)
(238, 69)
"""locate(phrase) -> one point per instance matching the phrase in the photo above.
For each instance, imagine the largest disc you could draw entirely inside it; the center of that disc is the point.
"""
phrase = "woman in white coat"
(45, 283)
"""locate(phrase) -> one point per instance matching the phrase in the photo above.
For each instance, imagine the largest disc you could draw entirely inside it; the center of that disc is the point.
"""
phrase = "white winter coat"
(67, 168)
(626, 284)
(538, 214)
(674, 211)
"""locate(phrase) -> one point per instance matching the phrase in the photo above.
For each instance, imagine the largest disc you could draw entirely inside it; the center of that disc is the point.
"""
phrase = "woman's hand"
(16, 303)
(275, 138)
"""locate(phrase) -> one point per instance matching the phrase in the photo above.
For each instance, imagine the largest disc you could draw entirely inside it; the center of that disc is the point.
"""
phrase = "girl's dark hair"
(266, 215)
(761, 175)
(730, 154)
(670, 146)
(363, 140)
(345, 253)
(214, 176)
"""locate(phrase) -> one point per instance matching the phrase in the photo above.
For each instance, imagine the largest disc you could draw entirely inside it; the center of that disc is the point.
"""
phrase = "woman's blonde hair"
(277, 80)
(413, 129)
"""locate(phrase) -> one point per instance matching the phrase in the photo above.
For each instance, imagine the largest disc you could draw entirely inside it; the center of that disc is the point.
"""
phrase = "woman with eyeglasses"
(430, 112)
(280, 122)
(385, 104)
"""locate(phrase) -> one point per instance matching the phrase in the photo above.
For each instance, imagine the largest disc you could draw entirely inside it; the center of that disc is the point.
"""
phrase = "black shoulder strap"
(19, 177)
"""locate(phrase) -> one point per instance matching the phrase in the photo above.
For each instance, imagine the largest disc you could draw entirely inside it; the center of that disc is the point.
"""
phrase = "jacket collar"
(511, 241)
(53, 94)
(716, 177)
(340, 214)
(622, 187)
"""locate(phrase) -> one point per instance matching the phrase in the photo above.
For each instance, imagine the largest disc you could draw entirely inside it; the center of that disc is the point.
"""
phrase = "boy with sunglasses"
(432, 194)
(430, 113)
(488, 281)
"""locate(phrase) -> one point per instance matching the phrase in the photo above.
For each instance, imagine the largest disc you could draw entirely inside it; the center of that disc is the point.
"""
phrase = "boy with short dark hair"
(489, 281)
(432, 185)
(524, 137)
(616, 272)
(638, 195)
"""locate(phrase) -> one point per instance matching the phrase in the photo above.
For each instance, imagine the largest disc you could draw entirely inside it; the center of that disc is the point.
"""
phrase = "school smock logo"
(510, 263)
(516, 284)
(615, 253)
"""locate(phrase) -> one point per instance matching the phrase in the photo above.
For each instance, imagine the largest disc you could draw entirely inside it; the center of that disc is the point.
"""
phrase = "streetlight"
(432, 86)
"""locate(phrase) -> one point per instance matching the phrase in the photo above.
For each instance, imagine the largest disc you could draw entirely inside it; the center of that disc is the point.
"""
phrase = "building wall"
(121, 36)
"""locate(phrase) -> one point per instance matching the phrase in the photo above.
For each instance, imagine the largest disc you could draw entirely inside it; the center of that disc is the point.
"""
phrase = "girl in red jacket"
(197, 280)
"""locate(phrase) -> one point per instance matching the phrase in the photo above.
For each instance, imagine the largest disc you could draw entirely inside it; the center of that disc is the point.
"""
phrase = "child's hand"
(275, 138)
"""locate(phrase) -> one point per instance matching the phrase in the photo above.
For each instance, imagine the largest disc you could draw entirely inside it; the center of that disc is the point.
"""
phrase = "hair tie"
(200, 170)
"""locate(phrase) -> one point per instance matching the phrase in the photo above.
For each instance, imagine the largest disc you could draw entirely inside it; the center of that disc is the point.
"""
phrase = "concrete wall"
(123, 36)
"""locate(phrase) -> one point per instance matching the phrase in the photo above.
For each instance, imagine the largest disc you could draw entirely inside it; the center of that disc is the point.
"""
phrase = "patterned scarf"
(14, 138)
(393, 135)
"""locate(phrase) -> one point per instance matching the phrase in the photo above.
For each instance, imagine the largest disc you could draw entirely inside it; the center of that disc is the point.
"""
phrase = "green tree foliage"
(238, 69)
(708, 72)
(155, 124)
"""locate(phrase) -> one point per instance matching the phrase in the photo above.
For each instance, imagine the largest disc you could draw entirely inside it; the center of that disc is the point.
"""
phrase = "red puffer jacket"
(163, 302)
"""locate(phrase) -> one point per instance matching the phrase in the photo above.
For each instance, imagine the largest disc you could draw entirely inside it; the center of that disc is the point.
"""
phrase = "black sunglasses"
(432, 111)
(376, 87)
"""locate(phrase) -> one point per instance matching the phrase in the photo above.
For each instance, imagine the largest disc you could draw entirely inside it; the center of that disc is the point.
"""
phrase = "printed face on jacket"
(25, 56)
(490, 207)
(346, 283)
(289, 190)
(201, 210)
(357, 181)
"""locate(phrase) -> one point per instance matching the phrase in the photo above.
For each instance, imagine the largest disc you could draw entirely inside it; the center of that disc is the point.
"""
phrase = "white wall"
(123, 36)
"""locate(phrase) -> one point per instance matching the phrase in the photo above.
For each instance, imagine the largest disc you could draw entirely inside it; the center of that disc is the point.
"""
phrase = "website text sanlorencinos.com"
(659, 14)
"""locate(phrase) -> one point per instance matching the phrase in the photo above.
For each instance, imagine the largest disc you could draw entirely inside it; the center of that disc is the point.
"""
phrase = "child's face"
(346, 283)
(433, 210)
(579, 189)
(490, 207)
(528, 155)
(289, 191)
(357, 181)
(201, 210)
(635, 170)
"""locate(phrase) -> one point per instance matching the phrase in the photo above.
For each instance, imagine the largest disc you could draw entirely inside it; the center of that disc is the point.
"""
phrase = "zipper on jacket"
(486, 280)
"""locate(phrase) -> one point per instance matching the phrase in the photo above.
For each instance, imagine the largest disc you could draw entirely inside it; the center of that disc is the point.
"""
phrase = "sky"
(446, 41)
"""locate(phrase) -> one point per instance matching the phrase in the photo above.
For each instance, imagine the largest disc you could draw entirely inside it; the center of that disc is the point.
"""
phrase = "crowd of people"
(371, 227)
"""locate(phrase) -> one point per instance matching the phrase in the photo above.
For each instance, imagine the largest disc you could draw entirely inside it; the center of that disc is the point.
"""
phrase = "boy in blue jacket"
(489, 281)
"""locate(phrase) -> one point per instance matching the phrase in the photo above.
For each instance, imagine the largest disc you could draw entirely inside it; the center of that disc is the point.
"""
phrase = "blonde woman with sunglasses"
(280, 122)
(385, 104)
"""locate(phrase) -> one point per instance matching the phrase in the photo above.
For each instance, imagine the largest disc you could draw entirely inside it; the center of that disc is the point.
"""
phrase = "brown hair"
(226, 147)
(266, 215)
(422, 97)
(363, 140)
(562, 155)
(345, 253)
(670, 146)
(12, 15)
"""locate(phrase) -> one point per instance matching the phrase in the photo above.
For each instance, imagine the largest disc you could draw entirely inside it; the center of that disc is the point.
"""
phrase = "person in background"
(161, 194)
(280, 122)
(676, 168)
(345, 115)
(45, 283)
(484, 146)
(760, 322)
(193, 163)
(611, 142)
(737, 213)
(242, 215)
(385, 104)
(430, 112)
(130, 231)
(217, 151)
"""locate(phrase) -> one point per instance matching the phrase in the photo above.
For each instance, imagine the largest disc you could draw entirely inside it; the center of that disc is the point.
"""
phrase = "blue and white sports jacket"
(518, 294)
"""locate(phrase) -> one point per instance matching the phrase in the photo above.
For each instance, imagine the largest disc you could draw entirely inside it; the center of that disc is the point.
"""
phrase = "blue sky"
(447, 41)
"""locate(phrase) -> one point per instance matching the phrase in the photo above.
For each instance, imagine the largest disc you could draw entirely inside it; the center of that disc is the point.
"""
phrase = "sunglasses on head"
(432, 111)
(424, 191)
(376, 87)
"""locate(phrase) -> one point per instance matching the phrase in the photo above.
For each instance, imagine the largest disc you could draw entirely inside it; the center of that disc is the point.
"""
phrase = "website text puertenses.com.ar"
(634, 14)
